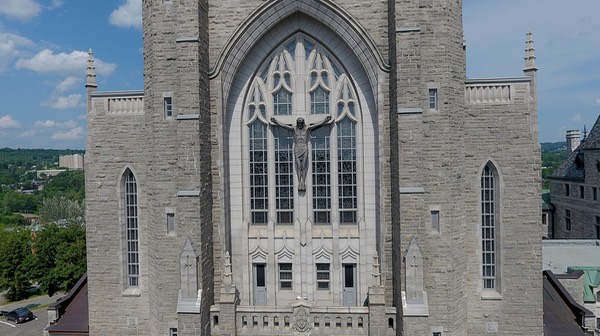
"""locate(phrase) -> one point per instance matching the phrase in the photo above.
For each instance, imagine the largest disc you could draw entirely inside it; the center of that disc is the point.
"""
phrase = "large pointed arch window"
(302, 80)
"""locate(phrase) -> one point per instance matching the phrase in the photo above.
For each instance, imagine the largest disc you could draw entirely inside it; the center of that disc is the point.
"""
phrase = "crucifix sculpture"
(301, 138)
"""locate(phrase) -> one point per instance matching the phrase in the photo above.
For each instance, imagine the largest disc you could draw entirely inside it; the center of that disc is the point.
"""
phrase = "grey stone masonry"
(408, 167)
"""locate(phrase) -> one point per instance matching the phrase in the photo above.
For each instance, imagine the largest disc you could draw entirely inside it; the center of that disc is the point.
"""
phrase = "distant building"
(563, 315)
(69, 315)
(49, 172)
(576, 264)
(547, 213)
(575, 188)
(74, 161)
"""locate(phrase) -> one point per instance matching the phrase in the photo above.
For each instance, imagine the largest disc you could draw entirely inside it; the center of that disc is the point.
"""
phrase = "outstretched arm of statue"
(320, 123)
(274, 121)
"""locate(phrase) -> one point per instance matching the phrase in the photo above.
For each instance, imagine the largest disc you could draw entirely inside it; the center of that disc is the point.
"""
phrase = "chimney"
(573, 140)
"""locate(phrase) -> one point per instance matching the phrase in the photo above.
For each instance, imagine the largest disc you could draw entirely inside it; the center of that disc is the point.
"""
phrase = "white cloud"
(46, 61)
(20, 9)
(28, 134)
(576, 118)
(74, 133)
(70, 124)
(128, 15)
(47, 123)
(7, 121)
(56, 4)
(10, 48)
(54, 124)
(64, 102)
(597, 101)
(69, 83)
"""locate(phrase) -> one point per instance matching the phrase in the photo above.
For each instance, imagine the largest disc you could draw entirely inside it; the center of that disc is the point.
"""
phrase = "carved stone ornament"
(301, 316)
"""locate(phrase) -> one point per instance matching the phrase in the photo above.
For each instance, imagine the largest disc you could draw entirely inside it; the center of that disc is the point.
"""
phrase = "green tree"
(70, 184)
(61, 210)
(17, 202)
(15, 262)
(60, 257)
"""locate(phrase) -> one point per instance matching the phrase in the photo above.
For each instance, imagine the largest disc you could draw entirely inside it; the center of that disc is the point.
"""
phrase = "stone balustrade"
(259, 320)
(492, 91)
(118, 103)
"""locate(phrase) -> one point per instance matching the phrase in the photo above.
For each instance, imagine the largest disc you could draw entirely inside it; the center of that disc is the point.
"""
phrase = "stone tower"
(420, 211)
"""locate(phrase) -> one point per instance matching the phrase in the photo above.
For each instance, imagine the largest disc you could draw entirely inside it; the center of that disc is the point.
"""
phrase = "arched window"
(301, 80)
(131, 229)
(490, 241)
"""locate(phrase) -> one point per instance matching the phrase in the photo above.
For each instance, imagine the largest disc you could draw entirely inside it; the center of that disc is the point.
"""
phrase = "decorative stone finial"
(376, 273)
(227, 280)
(91, 71)
(529, 53)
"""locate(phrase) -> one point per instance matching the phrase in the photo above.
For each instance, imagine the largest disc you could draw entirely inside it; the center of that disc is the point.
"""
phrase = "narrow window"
(489, 240)
(168, 102)
(284, 176)
(131, 228)
(437, 333)
(170, 223)
(282, 102)
(172, 331)
(545, 219)
(597, 228)
(259, 194)
(435, 220)
(567, 190)
(568, 220)
(433, 99)
(321, 177)
(319, 101)
(285, 275)
(347, 184)
(595, 193)
(581, 192)
(322, 276)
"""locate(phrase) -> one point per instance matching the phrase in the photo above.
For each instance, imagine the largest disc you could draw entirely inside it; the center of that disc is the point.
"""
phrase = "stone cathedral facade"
(313, 167)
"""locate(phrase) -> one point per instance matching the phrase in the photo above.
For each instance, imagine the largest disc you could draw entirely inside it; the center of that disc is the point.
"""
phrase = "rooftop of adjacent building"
(573, 167)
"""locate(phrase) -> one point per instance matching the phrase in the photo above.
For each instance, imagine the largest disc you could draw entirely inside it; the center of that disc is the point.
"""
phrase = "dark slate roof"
(572, 168)
(74, 319)
(592, 141)
(562, 315)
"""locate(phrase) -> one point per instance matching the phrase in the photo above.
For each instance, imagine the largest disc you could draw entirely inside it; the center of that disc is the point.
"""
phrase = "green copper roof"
(591, 280)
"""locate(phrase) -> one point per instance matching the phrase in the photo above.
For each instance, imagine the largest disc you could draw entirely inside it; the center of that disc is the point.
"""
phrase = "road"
(30, 328)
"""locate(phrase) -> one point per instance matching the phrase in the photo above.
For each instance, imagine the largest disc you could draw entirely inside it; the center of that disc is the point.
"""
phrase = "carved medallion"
(301, 315)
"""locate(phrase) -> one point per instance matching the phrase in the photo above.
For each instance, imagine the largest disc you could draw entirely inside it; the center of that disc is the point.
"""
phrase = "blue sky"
(44, 44)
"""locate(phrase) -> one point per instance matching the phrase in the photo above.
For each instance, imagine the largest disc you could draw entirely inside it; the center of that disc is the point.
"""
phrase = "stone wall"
(430, 160)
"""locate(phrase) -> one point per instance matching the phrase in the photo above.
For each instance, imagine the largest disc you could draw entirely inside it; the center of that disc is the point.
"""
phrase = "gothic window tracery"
(302, 80)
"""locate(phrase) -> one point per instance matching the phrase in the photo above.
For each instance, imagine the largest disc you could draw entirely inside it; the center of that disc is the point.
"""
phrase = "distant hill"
(26, 158)
(553, 146)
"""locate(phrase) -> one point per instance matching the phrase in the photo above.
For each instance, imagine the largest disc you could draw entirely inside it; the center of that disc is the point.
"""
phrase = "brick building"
(313, 167)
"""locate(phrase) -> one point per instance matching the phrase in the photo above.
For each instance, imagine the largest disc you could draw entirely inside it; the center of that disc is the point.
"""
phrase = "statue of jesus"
(301, 138)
